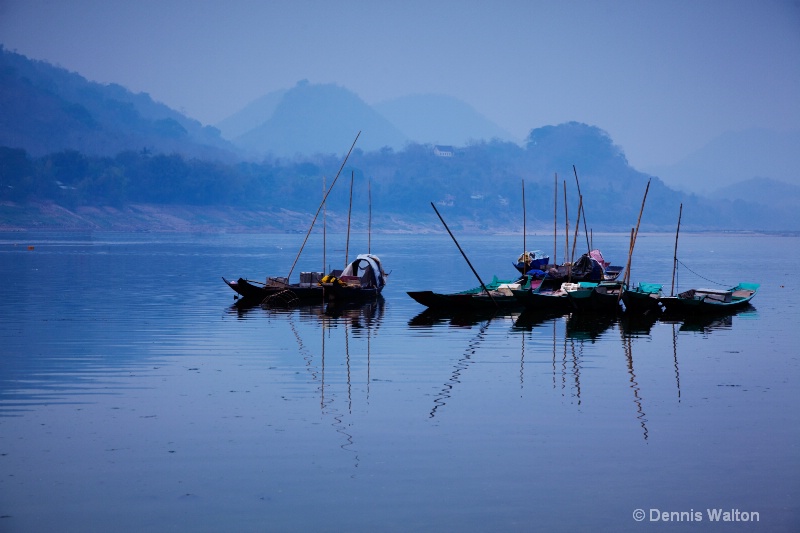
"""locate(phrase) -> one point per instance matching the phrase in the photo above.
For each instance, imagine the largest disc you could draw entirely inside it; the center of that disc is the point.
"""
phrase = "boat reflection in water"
(561, 345)
(575, 339)
(458, 318)
(706, 324)
(588, 326)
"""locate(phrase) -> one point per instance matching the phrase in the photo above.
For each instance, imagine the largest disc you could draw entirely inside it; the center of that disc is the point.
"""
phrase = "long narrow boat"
(256, 292)
(600, 297)
(498, 294)
(643, 299)
(710, 301)
(545, 299)
(309, 288)
(580, 294)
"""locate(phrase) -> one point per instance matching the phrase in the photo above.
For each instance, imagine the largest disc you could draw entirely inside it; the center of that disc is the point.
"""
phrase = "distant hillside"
(313, 118)
(439, 119)
(476, 187)
(735, 157)
(46, 109)
(80, 145)
(251, 116)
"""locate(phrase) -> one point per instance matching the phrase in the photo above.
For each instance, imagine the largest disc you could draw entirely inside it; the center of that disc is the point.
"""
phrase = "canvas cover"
(367, 267)
(587, 267)
(597, 256)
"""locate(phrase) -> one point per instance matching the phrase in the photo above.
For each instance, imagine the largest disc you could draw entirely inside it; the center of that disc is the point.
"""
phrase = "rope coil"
(284, 299)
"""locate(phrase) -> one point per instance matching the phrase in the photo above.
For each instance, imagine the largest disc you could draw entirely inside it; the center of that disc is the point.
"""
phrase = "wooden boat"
(710, 301)
(532, 261)
(498, 294)
(589, 267)
(580, 294)
(642, 299)
(363, 279)
(309, 288)
(545, 298)
(600, 297)
(256, 292)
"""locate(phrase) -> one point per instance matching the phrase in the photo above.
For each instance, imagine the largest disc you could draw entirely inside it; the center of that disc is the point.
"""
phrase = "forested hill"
(90, 148)
(477, 187)
(45, 109)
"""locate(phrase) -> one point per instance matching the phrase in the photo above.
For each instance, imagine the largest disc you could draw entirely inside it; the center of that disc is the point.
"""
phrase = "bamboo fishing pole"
(464, 255)
(675, 254)
(369, 223)
(555, 219)
(627, 277)
(630, 251)
(349, 211)
(321, 205)
(524, 231)
(575, 239)
(583, 210)
(566, 233)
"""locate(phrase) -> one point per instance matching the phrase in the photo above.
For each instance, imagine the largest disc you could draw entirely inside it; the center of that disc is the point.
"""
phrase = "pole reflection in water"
(461, 365)
(574, 338)
(627, 344)
(675, 361)
(356, 320)
(579, 331)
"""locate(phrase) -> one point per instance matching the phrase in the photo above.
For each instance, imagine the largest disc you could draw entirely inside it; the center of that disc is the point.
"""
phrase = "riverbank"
(199, 219)
(228, 219)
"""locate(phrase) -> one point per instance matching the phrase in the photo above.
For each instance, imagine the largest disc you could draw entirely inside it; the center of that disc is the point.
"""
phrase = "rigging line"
(699, 276)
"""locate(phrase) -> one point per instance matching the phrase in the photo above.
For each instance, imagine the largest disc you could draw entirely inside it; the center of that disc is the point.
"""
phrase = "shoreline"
(149, 218)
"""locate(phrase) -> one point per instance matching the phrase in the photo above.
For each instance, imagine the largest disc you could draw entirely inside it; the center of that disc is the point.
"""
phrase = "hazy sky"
(662, 78)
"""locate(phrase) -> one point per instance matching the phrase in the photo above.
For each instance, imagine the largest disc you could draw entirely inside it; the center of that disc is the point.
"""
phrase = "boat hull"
(642, 300)
(595, 298)
(251, 292)
(465, 301)
(709, 302)
(544, 302)
(342, 294)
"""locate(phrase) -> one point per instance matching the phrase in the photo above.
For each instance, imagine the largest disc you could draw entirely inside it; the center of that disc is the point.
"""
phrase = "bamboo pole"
(577, 225)
(575, 239)
(464, 255)
(627, 277)
(566, 233)
(524, 231)
(583, 210)
(349, 212)
(369, 223)
(675, 254)
(321, 205)
(627, 268)
(555, 220)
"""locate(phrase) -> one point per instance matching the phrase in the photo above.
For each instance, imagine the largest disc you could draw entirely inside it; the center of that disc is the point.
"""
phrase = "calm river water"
(134, 396)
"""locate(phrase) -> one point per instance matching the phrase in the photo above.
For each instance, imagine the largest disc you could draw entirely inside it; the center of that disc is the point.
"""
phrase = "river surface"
(135, 396)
